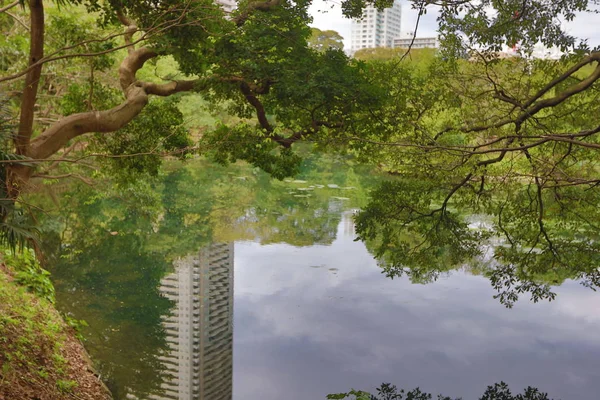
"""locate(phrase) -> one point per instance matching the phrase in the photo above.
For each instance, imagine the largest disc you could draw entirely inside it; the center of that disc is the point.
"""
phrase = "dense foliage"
(101, 89)
(257, 63)
(324, 40)
(468, 144)
(15, 229)
(465, 129)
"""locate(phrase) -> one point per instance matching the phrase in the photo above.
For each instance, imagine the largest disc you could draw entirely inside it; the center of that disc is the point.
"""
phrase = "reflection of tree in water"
(417, 234)
(112, 256)
(112, 282)
(241, 203)
(305, 211)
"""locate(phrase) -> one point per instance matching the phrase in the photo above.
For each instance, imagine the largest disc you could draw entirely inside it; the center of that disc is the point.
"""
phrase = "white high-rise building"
(199, 362)
(376, 28)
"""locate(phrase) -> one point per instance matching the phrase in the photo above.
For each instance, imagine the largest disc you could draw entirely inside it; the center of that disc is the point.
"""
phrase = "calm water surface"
(290, 306)
(301, 332)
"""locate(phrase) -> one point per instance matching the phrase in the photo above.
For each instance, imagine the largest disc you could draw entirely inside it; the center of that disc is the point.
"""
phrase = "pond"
(249, 288)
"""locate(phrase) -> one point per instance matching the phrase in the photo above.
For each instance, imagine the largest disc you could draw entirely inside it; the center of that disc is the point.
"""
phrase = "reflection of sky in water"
(302, 332)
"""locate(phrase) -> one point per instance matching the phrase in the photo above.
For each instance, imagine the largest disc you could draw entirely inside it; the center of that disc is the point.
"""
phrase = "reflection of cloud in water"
(304, 332)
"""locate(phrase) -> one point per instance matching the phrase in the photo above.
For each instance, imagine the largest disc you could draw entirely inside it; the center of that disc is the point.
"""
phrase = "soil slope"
(40, 355)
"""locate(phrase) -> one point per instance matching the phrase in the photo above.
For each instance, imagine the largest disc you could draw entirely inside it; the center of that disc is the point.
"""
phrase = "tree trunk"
(32, 79)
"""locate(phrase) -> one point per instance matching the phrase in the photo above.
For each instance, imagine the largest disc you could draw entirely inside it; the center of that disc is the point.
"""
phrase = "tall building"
(199, 363)
(376, 28)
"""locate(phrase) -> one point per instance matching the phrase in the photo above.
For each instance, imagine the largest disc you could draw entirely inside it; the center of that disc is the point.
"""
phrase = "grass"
(31, 338)
(40, 356)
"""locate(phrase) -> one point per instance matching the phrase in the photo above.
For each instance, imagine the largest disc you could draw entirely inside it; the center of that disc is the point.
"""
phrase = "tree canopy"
(502, 138)
(256, 60)
(465, 130)
(324, 40)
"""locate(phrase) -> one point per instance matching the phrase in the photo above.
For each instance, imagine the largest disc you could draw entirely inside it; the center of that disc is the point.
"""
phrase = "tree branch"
(167, 89)
(260, 109)
(19, 20)
(556, 100)
(9, 6)
(136, 94)
(85, 180)
(587, 60)
(130, 29)
(131, 64)
(54, 57)
(534, 105)
(59, 134)
(296, 136)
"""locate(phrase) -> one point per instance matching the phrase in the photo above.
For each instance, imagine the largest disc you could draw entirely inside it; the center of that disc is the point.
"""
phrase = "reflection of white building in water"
(348, 220)
(199, 330)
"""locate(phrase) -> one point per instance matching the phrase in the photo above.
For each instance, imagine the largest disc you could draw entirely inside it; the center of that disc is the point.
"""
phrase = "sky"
(328, 15)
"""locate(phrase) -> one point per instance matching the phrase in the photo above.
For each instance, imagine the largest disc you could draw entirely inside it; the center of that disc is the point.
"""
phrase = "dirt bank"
(40, 355)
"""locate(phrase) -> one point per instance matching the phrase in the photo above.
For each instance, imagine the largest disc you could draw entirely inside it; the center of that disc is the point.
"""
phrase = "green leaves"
(492, 24)
(82, 97)
(354, 8)
(324, 40)
(512, 139)
(462, 139)
(29, 273)
(138, 149)
(227, 144)
(16, 231)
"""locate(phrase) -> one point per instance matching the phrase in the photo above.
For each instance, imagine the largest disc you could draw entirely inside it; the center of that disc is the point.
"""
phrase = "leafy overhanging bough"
(257, 59)
(513, 139)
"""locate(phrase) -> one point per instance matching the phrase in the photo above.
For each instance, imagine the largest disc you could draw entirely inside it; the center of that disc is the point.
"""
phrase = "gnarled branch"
(130, 28)
(136, 94)
(534, 105)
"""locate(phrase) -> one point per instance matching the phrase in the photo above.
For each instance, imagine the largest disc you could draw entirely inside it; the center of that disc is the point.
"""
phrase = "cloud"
(304, 330)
